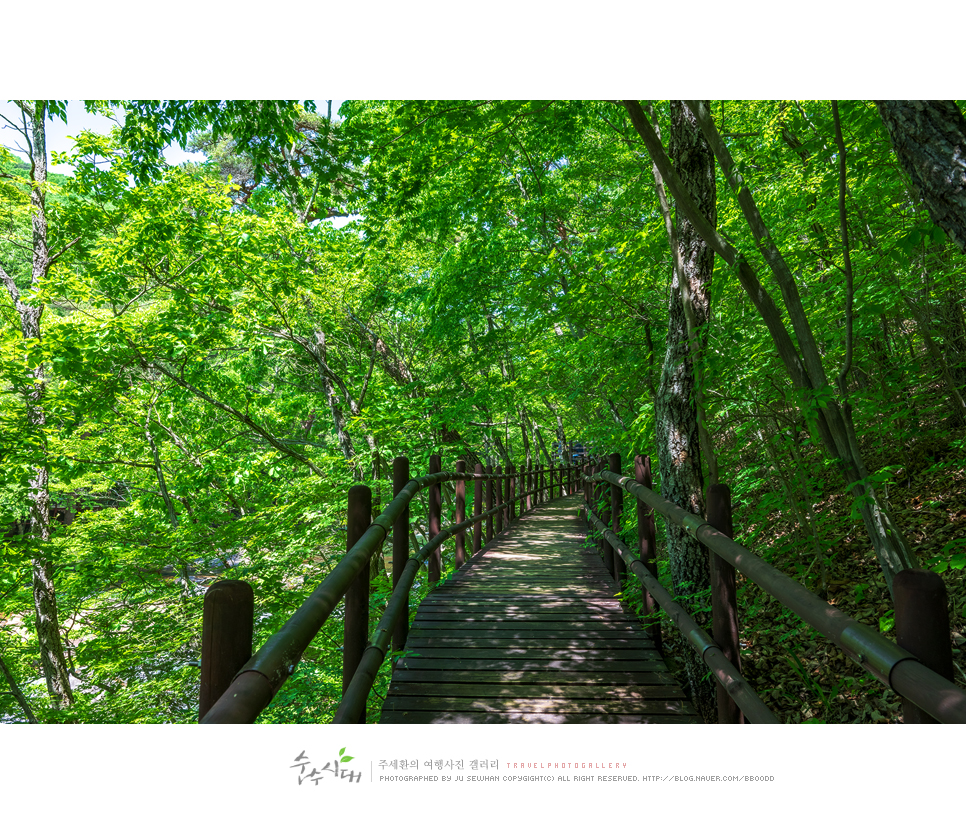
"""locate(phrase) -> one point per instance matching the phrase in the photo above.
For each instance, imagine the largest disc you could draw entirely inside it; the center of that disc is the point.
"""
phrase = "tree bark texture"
(691, 321)
(52, 659)
(929, 138)
(834, 427)
(679, 447)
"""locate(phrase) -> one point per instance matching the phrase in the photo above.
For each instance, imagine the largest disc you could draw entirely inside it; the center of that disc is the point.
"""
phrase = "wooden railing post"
(922, 628)
(499, 499)
(616, 509)
(227, 623)
(435, 561)
(647, 546)
(543, 484)
(400, 545)
(489, 504)
(724, 603)
(507, 498)
(603, 498)
(477, 509)
(356, 630)
(513, 491)
(460, 556)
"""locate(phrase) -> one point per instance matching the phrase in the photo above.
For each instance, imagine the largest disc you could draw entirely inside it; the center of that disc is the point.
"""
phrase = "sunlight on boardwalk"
(530, 632)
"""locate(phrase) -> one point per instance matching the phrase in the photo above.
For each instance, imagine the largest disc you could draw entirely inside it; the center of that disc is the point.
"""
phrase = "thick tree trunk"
(929, 138)
(833, 425)
(678, 441)
(694, 307)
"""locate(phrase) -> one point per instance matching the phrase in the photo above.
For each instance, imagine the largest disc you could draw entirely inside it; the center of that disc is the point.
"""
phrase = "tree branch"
(230, 410)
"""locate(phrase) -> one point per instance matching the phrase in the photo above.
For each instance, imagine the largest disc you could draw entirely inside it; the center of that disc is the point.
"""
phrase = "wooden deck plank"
(601, 678)
(589, 706)
(521, 635)
(552, 630)
(530, 631)
(534, 622)
(529, 663)
(507, 639)
(516, 654)
(521, 612)
(480, 691)
(448, 716)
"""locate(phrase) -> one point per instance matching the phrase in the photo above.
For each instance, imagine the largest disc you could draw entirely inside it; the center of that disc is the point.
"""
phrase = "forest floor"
(798, 673)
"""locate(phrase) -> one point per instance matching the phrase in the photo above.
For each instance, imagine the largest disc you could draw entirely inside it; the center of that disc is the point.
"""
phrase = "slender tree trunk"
(500, 448)
(17, 692)
(561, 433)
(341, 430)
(52, 658)
(535, 430)
(525, 439)
(615, 414)
(184, 577)
(543, 446)
(678, 441)
(955, 398)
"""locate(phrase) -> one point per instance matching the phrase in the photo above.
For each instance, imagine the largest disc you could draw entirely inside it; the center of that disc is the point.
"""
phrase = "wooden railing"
(235, 689)
(913, 668)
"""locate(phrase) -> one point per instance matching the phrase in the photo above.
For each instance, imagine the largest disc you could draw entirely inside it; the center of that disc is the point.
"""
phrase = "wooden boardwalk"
(529, 631)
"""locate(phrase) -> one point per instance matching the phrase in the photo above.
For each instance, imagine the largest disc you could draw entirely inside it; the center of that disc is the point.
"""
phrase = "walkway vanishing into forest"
(530, 631)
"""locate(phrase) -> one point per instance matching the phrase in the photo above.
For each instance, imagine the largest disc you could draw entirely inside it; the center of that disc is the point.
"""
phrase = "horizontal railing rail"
(893, 666)
(707, 649)
(253, 686)
(353, 705)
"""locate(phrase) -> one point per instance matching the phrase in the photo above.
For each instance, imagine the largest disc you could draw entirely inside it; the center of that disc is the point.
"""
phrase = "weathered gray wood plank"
(530, 631)
(587, 706)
